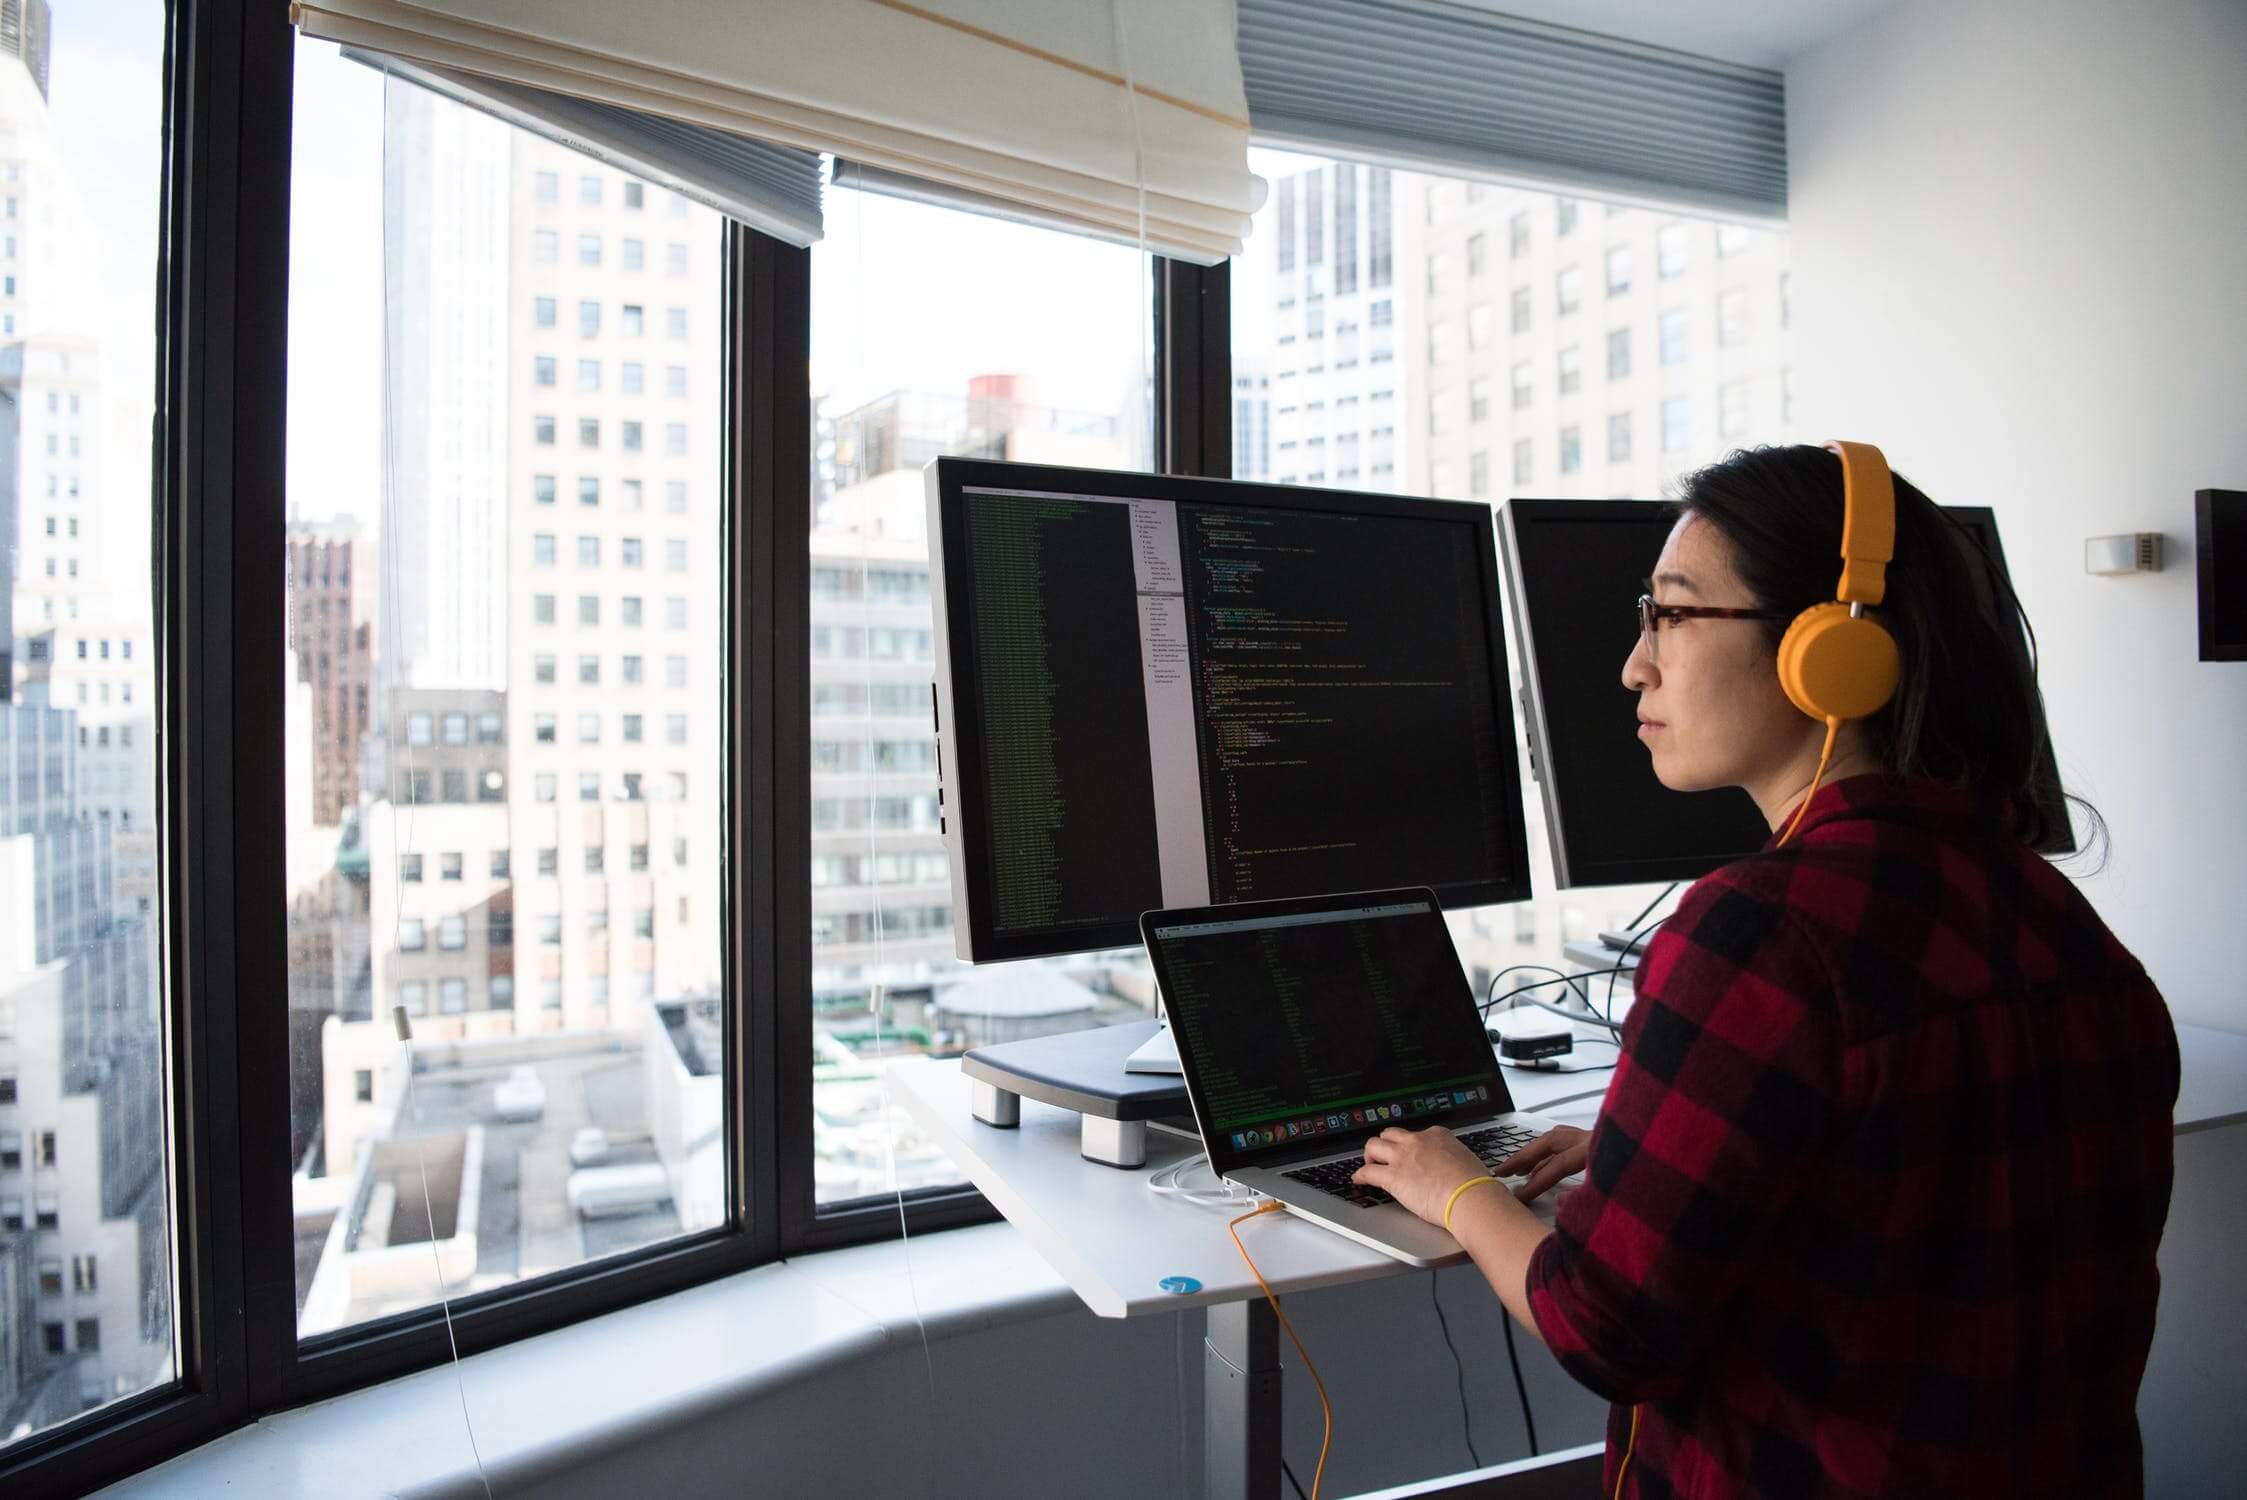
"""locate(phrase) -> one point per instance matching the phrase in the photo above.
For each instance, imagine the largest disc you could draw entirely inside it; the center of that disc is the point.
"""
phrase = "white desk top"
(1113, 1241)
(1111, 1238)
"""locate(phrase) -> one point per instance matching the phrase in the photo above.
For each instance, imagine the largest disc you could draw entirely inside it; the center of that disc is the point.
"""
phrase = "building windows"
(1619, 437)
(589, 786)
(595, 859)
(634, 377)
(589, 671)
(542, 489)
(632, 670)
(1732, 410)
(1520, 310)
(499, 865)
(1732, 318)
(542, 785)
(1618, 270)
(675, 381)
(632, 437)
(675, 439)
(550, 930)
(1478, 474)
(1517, 234)
(675, 497)
(634, 194)
(588, 377)
(589, 432)
(413, 935)
(1677, 425)
(542, 667)
(588, 551)
(1731, 239)
(674, 258)
(632, 729)
(588, 729)
(452, 933)
(550, 863)
(1478, 254)
(589, 191)
(1669, 251)
(1522, 387)
(632, 319)
(409, 868)
(1564, 217)
(1480, 327)
(542, 549)
(675, 556)
(362, 1085)
(549, 187)
(1571, 370)
(1568, 288)
(452, 996)
(1672, 337)
(675, 671)
(450, 865)
(542, 729)
(546, 246)
(1571, 449)
(675, 729)
(588, 609)
(543, 311)
(588, 249)
(1618, 353)
(588, 319)
(629, 552)
(1521, 461)
(675, 322)
(542, 431)
(1478, 399)
(631, 605)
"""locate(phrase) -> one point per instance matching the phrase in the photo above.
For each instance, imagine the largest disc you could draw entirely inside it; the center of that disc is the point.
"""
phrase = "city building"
(1337, 389)
(331, 584)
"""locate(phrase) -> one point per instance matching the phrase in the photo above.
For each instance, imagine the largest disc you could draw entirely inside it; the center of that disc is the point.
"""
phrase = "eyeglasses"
(1651, 614)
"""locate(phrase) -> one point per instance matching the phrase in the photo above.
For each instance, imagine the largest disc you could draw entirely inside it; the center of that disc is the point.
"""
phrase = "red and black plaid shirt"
(1872, 1204)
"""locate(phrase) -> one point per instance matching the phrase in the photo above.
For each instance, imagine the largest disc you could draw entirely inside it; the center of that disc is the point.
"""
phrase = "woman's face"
(1710, 707)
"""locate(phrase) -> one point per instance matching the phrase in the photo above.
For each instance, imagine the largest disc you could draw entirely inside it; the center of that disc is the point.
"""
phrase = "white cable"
(1223, 1195)
(429, 1217)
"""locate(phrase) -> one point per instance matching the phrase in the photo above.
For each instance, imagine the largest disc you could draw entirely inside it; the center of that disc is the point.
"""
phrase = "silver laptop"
(1306, 1026)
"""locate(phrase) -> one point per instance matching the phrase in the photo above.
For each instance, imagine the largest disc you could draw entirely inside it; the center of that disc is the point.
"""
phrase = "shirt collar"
(1916, 800)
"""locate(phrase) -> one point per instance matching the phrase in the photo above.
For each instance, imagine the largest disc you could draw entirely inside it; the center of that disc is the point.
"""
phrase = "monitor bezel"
(1225, 1157)
(2208, 570)
(958, 742)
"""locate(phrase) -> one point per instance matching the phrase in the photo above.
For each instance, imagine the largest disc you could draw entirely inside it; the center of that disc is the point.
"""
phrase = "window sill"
(547, 1403)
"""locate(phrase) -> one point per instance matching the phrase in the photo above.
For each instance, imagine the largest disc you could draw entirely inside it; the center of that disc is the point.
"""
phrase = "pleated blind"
(768, 188)
(1428, 85)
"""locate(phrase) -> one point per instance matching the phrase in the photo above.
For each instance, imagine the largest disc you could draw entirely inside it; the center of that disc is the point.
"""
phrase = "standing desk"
(1114, 1242)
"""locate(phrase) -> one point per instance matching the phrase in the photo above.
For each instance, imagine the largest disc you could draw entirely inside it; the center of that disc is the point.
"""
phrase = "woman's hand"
(1559, 1152)
(1418, 1168)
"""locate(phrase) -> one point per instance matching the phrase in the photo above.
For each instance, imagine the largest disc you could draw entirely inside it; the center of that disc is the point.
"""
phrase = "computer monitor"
(1161, 692)
(1574, 568)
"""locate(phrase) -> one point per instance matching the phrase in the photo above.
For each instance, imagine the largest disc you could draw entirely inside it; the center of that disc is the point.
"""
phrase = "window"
(499, 864)
(1669, 251)
(589, 786)
(413, 935)
(1618, 270)
(1521, 386)
(1571, 370)
(634, 377)
(629, 552)
(455, 728)
(542, 550)
(1672, 337)
(1479, 327)
(1478, 399)
(588, 319)
(588, 551)
(549, 187)
(675, 382)
(589, 190)
(633, 442)
(1478, 254)
(635, 255)
(409, 867)
(1478, 475)
(633, 318)
(543, 311)
(542, 431)
(1619, 438)
(588, 249)
(1618, 353)
(1677, 425)
(589, 432)
(1732, 318)
(1517, 234)
(1521, 461)
(1732, 410)
(1571, 449)
(542, 489)
(588, 377)
(452, 933)
(1520, 310)
(450, 866)
(1564, 217)
(546, 246)
(542, 668)
(1568, 288)
(1731, 239)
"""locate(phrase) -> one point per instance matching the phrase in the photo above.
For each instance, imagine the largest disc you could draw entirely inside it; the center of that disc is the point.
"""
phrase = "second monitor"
(1161, 692)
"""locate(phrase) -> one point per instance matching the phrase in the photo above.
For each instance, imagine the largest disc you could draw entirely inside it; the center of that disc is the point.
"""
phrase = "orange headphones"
(1835, 664)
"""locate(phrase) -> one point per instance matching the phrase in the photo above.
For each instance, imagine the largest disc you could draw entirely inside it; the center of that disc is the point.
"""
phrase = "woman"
(1872, 1202)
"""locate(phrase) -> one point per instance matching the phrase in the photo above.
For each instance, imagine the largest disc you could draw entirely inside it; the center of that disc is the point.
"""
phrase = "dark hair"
(1967, 710)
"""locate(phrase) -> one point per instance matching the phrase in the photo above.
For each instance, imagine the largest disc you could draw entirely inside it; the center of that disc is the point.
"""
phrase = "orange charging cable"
(1325, 1406)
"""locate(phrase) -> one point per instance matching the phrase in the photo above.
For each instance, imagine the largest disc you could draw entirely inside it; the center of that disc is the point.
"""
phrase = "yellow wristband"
(1472, 1182)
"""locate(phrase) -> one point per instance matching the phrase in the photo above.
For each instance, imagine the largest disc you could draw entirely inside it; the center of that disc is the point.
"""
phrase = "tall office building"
(1336, 381)
(446, 262)
(331, 583)
(1572, 348)
(1252, 418)
(551, 581)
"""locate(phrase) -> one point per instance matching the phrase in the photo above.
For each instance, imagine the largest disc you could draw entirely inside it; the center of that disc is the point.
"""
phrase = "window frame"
(221, 357)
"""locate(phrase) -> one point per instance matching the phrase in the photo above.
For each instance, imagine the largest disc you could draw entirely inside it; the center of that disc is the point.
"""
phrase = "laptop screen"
(1301, 1021)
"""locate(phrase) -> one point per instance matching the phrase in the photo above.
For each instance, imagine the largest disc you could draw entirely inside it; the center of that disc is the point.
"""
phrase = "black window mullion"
(1194, 368)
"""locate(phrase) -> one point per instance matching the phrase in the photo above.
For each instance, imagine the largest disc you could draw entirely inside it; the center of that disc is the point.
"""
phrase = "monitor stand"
(1083, 1071)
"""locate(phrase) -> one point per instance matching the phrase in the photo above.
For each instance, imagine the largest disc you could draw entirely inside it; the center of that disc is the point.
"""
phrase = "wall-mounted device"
(2220, 545)
(2130, 552)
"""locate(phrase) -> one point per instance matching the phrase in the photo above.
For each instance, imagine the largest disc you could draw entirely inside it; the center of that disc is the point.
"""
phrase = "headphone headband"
(1868, 522)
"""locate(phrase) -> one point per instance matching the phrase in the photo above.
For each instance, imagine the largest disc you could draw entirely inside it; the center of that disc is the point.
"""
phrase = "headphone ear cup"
(1834, 667)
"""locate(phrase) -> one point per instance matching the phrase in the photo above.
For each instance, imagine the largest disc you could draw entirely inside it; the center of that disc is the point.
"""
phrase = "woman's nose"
(1639, 671)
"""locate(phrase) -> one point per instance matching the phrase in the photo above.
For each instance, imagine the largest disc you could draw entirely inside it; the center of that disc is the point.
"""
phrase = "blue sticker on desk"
(1183, 1286)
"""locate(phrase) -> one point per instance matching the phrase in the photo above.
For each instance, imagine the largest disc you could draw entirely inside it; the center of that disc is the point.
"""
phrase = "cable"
(404, 1029)
(1825, 756)
(1521, 1387)
(1318, 1475)
(1224, 1195)
(1458, 1367)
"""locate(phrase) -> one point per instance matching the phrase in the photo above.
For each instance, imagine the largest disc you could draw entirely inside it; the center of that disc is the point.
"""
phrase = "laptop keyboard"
(1492, 1144)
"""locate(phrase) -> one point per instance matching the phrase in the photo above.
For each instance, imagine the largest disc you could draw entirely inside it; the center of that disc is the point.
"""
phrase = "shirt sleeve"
(1720, 1104)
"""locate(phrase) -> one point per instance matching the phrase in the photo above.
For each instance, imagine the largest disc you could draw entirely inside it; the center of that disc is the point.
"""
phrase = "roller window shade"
(1106, 116)
(769, 188)
(1441, 87)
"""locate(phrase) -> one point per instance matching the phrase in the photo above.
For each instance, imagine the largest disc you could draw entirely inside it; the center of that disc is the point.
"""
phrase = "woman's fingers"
(1527, 1157)
(1554, 1167)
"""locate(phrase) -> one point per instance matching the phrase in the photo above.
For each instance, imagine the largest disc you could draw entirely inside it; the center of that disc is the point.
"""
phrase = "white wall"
(2020, 251)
